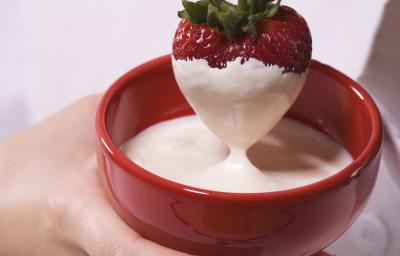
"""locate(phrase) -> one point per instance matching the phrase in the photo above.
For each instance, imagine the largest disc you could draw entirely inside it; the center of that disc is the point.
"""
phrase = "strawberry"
(218, 32)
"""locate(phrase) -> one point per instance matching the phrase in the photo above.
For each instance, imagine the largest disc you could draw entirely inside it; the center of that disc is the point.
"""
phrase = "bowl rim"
(342, 177)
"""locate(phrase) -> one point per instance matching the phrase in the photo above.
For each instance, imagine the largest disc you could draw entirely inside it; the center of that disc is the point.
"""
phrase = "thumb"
(103, 233)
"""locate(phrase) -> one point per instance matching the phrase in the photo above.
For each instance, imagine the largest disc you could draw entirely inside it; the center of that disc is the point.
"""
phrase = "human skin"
(51, 198)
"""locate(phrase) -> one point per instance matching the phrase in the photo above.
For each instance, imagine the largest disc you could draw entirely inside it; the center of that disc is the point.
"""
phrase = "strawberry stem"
(233, 20)
(242, 5)
(252, 7)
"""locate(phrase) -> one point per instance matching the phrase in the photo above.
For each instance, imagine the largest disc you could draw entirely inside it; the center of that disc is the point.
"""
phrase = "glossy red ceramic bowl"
(293, 222)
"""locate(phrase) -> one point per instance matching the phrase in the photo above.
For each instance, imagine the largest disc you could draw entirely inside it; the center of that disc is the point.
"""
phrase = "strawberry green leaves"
(261, 12)
(194, 12)
(226, 18)
(229, 18)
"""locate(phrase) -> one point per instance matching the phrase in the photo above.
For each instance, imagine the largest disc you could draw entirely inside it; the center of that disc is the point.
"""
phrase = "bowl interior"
(173, 214)
(330, 102)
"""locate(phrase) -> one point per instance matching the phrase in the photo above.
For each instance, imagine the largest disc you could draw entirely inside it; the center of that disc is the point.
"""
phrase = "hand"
(51, 199)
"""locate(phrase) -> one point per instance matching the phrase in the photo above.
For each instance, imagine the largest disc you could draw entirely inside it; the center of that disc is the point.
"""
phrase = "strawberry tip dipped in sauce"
(240, 67)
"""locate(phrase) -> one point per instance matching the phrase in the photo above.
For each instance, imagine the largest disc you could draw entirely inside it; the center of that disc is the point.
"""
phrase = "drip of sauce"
(240, 103)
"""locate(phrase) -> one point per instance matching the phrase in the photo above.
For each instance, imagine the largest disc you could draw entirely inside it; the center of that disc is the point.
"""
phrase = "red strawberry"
(219, 32)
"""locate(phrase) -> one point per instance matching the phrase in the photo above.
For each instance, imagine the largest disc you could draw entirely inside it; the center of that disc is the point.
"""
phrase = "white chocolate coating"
(240, 103)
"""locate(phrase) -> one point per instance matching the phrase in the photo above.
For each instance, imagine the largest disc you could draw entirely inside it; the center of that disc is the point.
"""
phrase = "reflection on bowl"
(298, 221)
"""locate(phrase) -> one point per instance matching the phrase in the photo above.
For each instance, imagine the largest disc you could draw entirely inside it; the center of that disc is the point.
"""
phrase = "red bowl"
(299, 221)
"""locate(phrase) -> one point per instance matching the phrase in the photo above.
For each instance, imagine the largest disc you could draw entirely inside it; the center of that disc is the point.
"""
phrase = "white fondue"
(185, 151)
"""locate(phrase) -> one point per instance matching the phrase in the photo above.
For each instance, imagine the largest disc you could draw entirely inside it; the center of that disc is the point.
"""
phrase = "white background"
(53, 51)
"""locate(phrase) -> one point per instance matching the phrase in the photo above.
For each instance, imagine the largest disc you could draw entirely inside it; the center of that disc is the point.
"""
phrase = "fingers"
(147, 248)
(98, 229)
(79, 215)
(103, 233)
